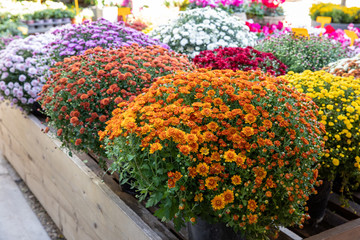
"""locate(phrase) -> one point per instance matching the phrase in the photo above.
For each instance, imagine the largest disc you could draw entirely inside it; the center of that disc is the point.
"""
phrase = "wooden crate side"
(77, 200)
(347, 231)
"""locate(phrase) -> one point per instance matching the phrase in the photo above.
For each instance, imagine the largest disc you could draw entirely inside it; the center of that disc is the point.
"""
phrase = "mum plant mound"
(339, 102)
(234, 147)
(103, 33)
(204, 29)
(84, 90)
(346, 67)
(302, 53)
(23, 66)
(240, 59)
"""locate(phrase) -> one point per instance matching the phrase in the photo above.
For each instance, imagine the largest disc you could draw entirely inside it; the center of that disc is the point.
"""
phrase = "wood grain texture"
(347, 231)
(78, 201)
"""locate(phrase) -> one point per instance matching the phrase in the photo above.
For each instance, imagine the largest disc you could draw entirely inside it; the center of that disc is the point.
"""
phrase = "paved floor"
(17, 220)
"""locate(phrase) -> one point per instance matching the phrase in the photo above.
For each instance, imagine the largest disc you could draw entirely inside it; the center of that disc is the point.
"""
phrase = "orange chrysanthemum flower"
(228, 196)
(248, 131)
(204, 151)
(250, 118)
(211, 182)
(185, 149)
(230, 156)
(202, 169)
(213, 126)
(252, 218)
(252, 205)
(155, 147)
(260, 172)
(218, 202)
(199, 197)
(236, 180)
(191, 138)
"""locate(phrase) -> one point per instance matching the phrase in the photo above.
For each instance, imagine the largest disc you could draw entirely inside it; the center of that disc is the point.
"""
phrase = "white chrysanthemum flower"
(204, 29)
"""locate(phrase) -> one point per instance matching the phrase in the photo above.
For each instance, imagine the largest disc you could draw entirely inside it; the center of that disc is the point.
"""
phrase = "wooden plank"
(286, 234)
(347, 231)
(79, 202)
(356, 197)
(351, 212)
(333, 219)
(132, 202)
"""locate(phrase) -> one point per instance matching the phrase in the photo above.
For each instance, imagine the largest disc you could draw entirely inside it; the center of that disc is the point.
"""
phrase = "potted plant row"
(265, 11)
(48, 16)
(240, 149)
(340, 15)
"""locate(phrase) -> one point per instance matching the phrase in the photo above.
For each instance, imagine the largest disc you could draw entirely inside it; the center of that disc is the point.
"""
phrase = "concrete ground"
(17, 220)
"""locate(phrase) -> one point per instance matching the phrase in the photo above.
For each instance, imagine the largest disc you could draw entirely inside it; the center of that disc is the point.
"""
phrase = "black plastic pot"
(36, 110)
(203, 230)
(317, 202)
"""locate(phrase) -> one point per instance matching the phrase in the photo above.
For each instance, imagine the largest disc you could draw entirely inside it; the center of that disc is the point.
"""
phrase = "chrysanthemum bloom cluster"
(101, 33)
(340, 36)
(268, 30)
(345, 67)
(4, 41)
(240, 59)
(137, 25)
(204, 29)
(302, 53)
(23, 66)
(235, 147)
(216, 3)
(339, 102)
(272, 3)
(83, 90)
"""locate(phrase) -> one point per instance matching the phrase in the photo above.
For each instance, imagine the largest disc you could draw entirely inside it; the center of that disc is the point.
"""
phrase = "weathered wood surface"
(78, 201)
(347, 231)
(85, 204)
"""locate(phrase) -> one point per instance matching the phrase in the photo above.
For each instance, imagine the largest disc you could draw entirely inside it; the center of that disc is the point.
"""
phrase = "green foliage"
(302, 53)
(260, 10)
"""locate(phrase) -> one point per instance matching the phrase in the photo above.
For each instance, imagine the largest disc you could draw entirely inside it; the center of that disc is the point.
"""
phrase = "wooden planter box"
(85, 206)
(79, 202)
(266, 19)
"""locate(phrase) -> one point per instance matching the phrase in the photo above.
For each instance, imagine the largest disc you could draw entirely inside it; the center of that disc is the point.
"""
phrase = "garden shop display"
(222, 146)
(23, 67)
(268, 30)
(102, 33)
(265, 11)
(339, 102)
(231, 6)
(19, 8)
(9, 25)
(345, 67)
(302, 53)
(4, 41)
(202, 29)
(338, 13)
(137, 24)
(340, 36)
(240, 59)
(48, 14)
(83, 90)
